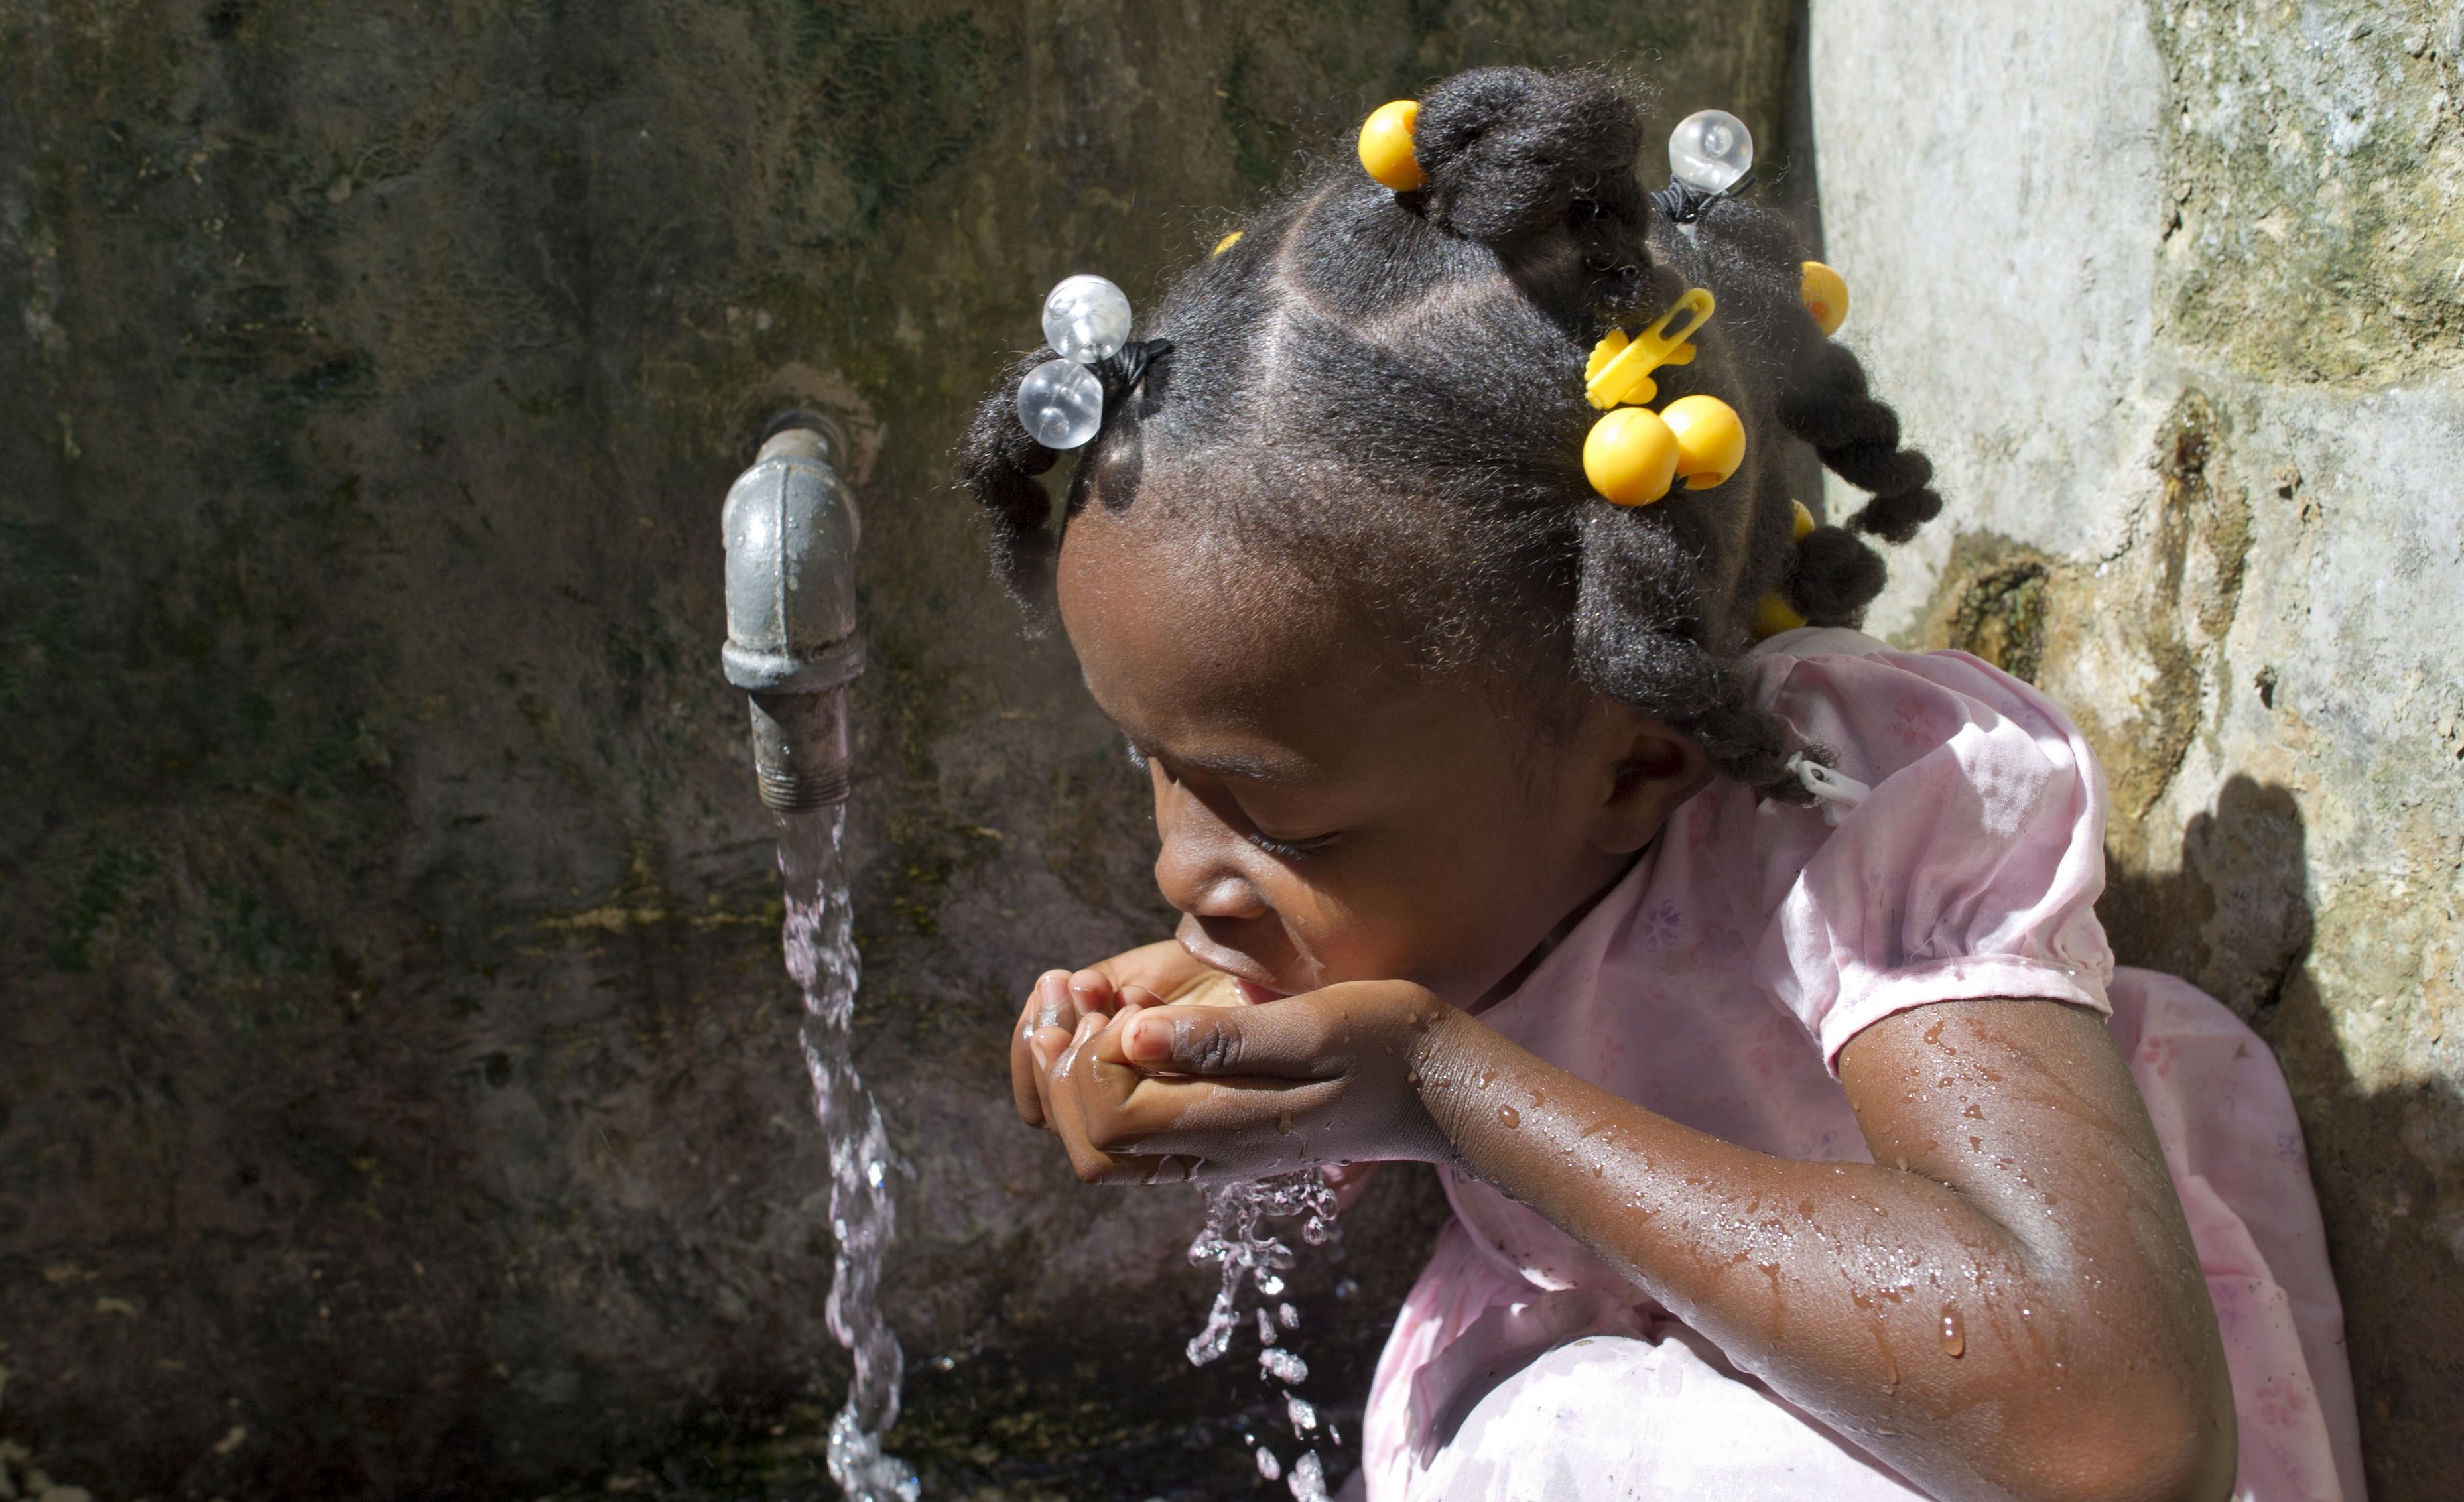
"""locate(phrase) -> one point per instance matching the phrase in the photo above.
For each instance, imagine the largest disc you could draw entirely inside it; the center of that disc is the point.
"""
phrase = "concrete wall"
(2174, 294)
(397, 1085)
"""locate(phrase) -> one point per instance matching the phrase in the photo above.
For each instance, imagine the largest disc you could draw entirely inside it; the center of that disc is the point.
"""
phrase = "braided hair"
(1388, 388)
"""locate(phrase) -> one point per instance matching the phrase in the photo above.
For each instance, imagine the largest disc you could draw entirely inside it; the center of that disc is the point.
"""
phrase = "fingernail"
(1150, 1040)
(1051, 996)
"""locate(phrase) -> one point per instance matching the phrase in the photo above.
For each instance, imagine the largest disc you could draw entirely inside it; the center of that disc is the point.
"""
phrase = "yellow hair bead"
(1801, 523)
(1710, 440)
(1227, 242)
(1773, 615)
(1631, 456)
(1824, 293)
(1386, 145)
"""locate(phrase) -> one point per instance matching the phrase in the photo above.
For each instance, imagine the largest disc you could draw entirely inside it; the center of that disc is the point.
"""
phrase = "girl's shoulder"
(1967, 868)
(1881, 711)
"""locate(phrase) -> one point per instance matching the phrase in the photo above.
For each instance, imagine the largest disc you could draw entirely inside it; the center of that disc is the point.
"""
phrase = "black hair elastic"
(1122, 371)
(1684, 203)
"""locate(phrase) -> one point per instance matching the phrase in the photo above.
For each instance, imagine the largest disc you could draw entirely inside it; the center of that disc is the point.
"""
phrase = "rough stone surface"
(2174, 294)
(397, 1087)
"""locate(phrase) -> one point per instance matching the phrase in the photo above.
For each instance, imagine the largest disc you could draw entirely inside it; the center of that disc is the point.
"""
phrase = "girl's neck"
(1513, 980)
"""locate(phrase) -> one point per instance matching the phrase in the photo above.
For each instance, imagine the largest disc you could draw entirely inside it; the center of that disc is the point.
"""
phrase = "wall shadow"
(2387, 1161)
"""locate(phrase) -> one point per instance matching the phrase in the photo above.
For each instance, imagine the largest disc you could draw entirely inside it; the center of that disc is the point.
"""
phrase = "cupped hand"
(1157, 1092)
(1049, 1020)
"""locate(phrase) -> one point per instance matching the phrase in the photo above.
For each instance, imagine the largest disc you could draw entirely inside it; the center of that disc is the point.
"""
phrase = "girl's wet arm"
(2005, 1304)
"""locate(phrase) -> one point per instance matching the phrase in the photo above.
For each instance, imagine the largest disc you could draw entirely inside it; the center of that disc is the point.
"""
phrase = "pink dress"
(1717, 983)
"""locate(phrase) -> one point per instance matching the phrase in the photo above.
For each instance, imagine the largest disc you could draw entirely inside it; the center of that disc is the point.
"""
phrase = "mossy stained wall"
(2174, 294)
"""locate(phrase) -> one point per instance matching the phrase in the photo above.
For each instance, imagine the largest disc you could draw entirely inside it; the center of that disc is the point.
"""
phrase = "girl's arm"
(2005, 1304)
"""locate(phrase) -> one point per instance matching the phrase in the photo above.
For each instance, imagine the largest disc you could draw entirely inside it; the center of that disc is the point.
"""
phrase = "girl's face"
(1325, 816)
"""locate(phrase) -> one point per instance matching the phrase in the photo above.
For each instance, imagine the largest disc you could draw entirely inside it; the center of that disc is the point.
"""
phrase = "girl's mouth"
(1247, 974)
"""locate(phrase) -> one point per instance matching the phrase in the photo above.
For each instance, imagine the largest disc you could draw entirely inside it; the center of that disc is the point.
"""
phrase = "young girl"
(1802, 1136)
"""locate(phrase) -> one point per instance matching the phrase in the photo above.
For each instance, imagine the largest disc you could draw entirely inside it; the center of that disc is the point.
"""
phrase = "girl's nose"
(1195, 870)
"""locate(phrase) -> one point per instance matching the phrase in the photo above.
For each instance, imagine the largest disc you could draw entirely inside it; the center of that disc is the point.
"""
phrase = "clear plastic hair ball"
(1061, 402)
(1086, 319)
(1708, 151)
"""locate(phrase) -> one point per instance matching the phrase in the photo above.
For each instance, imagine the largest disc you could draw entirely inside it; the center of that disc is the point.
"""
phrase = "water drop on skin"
(1954, 1341)
(1509, 1116)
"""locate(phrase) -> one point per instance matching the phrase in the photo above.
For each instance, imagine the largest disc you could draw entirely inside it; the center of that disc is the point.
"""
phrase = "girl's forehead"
(1183, 636)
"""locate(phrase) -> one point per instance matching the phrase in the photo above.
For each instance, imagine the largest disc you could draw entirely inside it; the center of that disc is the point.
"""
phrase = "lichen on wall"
(2171, 291)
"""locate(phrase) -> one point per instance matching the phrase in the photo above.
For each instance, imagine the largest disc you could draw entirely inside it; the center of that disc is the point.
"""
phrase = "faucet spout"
(790, 529)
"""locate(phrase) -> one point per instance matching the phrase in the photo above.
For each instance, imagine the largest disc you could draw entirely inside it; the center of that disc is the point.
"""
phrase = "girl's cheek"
(1346, 931)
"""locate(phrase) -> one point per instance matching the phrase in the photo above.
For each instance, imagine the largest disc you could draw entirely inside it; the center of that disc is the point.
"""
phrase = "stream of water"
(822, 959)
(1251, 1256)
(1239, 1241)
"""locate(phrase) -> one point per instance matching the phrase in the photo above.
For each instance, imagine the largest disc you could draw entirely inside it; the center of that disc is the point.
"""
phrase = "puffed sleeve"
(1970, 871)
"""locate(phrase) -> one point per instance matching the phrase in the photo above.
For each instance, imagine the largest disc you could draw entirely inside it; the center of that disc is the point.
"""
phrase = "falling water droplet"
(1288, 1316)
(1268, 1466)
(1283, 1366)
(1308, 1479)
(1954, 1342)
(1265, 1327)
(1302, 1413)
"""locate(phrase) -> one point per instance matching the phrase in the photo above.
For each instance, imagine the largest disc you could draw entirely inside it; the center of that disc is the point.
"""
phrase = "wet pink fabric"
(1716, 986)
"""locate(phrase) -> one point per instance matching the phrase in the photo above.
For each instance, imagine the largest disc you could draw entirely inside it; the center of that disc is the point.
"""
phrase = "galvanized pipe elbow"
(790, 529)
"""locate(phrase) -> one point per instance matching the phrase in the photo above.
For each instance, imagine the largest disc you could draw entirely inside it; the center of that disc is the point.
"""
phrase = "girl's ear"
(1651, 771)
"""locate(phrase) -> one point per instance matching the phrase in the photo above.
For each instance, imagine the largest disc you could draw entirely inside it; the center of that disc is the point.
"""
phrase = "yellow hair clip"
(1387, 150)
(1621, 368)
(1227, 243)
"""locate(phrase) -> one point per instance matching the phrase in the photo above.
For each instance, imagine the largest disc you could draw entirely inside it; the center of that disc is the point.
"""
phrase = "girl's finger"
(1092, 991)
(1044, 1002)
(1057, 1001)
(1293, 1039)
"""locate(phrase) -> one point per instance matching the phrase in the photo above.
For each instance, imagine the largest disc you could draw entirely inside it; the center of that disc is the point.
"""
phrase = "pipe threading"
(793, 792)
(802, 757)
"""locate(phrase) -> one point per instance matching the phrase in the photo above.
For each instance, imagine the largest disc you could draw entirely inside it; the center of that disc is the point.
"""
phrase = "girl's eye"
(1290, 849)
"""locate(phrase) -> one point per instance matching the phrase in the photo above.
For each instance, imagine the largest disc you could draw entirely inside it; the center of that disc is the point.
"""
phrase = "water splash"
(1238, 1240)
(820, 942)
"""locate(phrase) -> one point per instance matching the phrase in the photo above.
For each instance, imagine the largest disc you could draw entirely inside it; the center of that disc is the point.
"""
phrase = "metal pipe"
(790, 529)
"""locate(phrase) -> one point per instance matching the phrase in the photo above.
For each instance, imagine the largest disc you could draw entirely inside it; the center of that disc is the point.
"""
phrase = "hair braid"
(997, 464)
(1632, 615)
(1825, 403)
